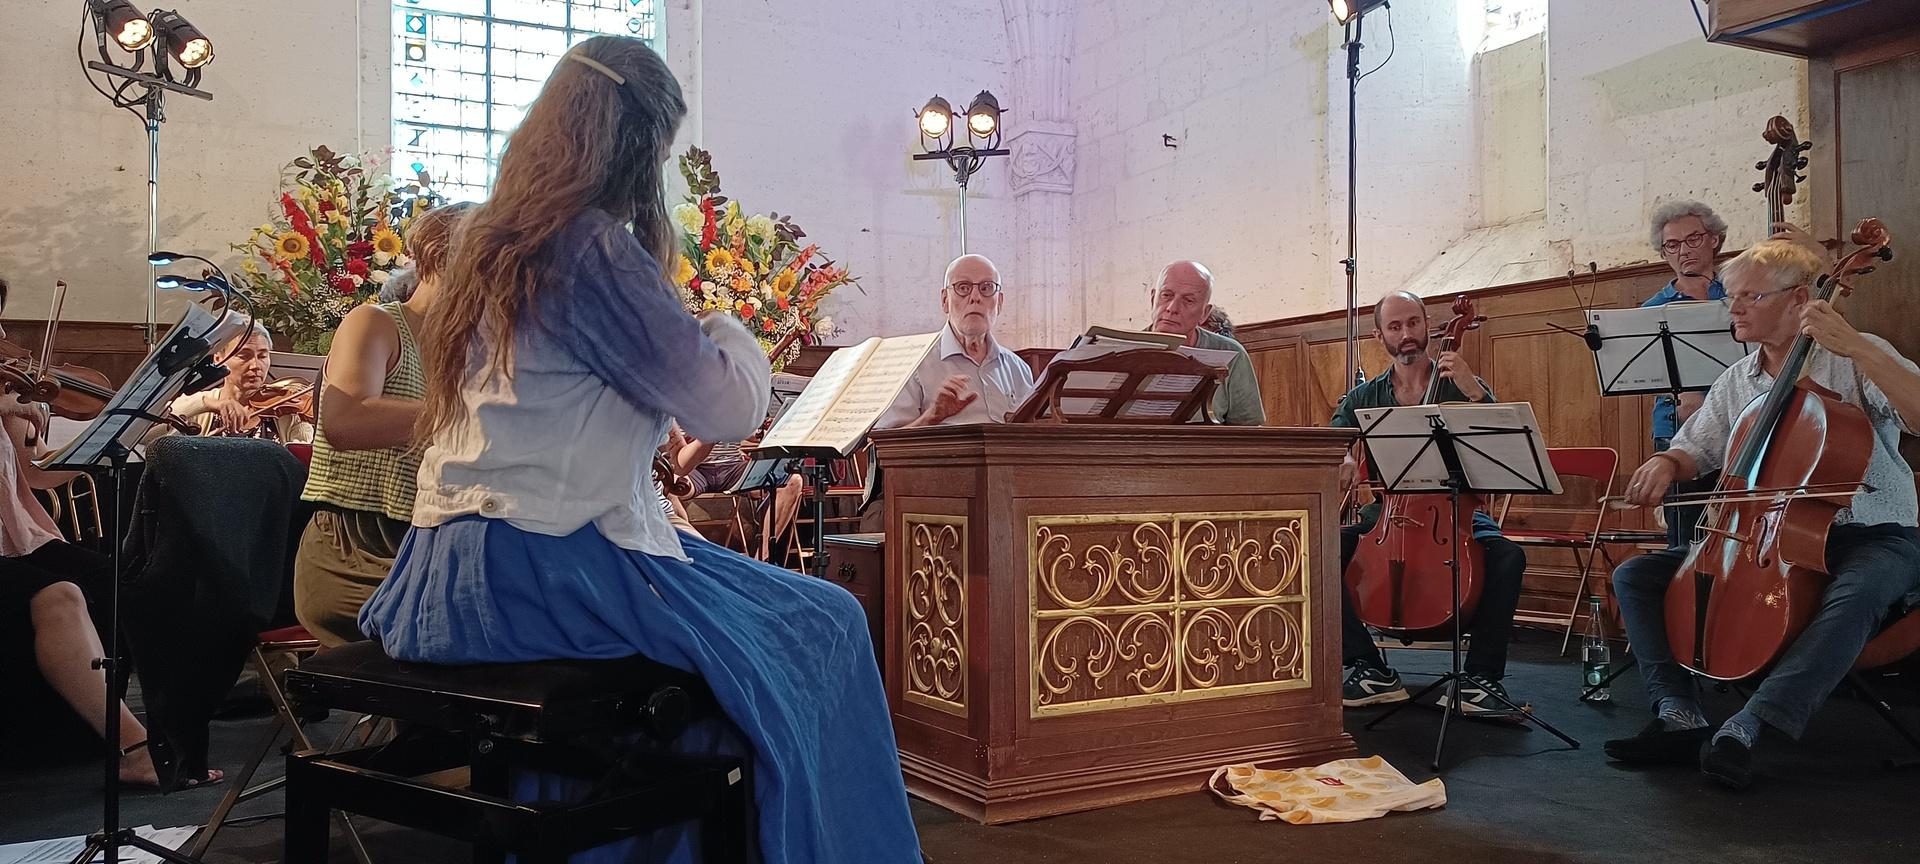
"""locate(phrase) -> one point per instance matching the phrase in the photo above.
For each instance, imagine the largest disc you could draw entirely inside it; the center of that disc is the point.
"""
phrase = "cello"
(1756, 571)
(1400, 577)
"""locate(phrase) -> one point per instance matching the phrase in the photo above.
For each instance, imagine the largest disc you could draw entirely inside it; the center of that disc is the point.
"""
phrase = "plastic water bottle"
(1596, 658)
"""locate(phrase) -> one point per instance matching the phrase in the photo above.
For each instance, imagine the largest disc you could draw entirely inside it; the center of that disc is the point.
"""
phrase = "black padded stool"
(570, 717)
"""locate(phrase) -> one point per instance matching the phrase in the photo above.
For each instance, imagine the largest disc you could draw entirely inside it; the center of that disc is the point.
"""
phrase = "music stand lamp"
(1419, 474)
(152, 39)
(1642, 351)
(103, 448)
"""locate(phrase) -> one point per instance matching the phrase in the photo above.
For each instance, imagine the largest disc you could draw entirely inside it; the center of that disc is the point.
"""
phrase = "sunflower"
(783, 283)
(384, 240)
(291, 246)
(718, 260)
(684, 273)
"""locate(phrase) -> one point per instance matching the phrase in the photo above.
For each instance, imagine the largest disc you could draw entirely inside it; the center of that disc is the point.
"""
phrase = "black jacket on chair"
(209, 565)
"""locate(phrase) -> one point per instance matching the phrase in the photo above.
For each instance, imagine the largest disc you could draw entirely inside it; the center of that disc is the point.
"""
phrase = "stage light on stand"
(184, 42)
(964, 153)
(983, 116)
(123, 23)
(936, 119)
(1344, 11)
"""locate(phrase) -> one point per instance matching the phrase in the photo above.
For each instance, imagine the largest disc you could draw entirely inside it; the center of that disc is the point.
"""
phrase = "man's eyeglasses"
(987, 288)
(1692, 241)
(1737, 301)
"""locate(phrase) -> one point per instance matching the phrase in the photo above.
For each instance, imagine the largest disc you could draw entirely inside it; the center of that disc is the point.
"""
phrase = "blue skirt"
(787, 656)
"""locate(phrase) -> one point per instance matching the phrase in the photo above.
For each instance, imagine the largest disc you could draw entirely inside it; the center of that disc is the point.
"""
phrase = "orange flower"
(742, 285)
(767, 325)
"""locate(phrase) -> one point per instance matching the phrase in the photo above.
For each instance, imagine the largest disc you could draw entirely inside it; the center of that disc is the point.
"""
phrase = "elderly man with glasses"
(1180, 303)
(968, 377)
(1689, 236)
(1871, 553)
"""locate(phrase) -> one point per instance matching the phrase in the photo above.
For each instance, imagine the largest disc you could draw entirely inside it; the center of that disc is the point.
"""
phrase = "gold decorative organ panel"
(1140, 609)
(935, 603)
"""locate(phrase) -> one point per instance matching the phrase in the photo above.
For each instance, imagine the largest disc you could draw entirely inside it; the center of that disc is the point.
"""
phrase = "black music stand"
(176, 365)
(1458, 449)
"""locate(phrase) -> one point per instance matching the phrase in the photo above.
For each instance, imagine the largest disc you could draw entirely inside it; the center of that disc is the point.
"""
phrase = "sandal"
(164, 767)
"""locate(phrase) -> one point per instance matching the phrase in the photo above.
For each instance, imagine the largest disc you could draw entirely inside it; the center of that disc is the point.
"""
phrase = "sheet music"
(804, 414)
(1399, 440)
(1630, 359)
(872, 390)
(849, 393)
(64, 849)
(1181, 384)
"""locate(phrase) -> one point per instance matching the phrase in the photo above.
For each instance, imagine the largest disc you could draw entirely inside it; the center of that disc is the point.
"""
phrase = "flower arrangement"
(337, 235)
(751, 267)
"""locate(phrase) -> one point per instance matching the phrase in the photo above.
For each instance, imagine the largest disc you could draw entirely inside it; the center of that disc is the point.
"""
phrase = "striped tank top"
(377, 481)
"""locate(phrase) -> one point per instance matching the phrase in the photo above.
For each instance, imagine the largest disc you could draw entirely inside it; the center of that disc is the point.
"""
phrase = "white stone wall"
(1643, 110)
(808, 109)
(73, 169)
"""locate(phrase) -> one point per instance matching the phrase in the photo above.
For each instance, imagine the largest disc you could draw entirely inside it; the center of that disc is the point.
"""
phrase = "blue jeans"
(1873, 567)
(1680, 520)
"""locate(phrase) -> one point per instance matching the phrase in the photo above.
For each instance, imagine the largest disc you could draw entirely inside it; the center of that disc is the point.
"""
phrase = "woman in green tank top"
(364, 463)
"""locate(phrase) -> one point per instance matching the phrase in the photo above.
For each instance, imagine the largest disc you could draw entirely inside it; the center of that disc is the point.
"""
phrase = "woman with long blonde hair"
(554, 360)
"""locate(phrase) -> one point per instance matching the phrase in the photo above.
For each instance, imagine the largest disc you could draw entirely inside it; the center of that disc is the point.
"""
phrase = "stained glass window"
(465, 70)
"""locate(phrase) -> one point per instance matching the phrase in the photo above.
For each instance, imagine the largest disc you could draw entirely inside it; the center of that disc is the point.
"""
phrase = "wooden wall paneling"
(1878, 159)
(113, 348)
(1287, 361)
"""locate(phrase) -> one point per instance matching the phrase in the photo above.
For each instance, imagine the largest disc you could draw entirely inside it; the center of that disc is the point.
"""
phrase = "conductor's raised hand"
(955, 394)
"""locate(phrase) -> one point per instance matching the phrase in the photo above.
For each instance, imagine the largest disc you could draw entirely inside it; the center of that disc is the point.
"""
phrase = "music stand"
(1461, 448)
(1142, 386)
(172, 367)
(1694, 340)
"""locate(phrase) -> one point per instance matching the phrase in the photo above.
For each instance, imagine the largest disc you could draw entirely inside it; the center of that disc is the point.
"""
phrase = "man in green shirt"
(1182, 299)
(1400, 323)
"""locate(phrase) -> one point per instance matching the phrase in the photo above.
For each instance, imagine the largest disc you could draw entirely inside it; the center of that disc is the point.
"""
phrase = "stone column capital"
(1042, 158)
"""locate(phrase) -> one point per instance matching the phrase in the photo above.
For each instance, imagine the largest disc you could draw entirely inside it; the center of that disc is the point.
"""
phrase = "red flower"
(781, 302)
(361, 249)
(342, 283)
(748, 310)
(693, 285)
(709, 229)
(295, 216)
(767, 325)
(358, 267)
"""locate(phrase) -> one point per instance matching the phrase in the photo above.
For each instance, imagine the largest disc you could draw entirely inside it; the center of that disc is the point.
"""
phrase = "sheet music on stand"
(1117, 381)
(1499, 447)
(136, 407)
(1677, 347)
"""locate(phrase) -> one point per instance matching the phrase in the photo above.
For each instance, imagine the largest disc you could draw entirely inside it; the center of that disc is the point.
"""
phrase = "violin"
(1756, 571)
(70, 391)
(286, 397)
(1399, 576)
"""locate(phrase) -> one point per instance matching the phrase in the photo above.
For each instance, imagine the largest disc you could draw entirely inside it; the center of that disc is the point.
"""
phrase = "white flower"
(358, 280)
(402, 261)
(760, 226)
(824, 329)
(380, 277)
(690, 218)
(381, 258)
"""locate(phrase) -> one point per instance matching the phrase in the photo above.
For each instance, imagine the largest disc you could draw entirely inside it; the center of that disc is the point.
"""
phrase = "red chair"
(1598, 465)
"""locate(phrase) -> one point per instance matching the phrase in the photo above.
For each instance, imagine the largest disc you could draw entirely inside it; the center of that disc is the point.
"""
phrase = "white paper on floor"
(1345, 790)
(63, 850)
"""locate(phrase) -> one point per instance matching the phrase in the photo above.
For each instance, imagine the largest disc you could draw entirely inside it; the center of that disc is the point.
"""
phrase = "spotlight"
(936, 118)
(168, 282)
(130, 29)
(1345, 11)
(183, 41)
(983, 116)
(162, 259)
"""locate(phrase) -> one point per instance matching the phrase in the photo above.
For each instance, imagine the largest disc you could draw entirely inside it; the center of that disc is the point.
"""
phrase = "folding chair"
(1598, 465)
(731, 528)
(275, 653)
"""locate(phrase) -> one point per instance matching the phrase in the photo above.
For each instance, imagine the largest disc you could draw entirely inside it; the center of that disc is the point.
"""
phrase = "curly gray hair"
(1680, 210)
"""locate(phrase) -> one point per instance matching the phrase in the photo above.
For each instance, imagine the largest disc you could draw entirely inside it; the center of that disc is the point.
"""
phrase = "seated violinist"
(233, 410)
(710, 467)
(1871, 553)
(48, 640)
(364, 462)
(1400, 323)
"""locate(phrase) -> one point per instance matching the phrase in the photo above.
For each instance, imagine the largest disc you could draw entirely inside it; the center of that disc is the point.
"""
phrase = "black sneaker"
(1658, 745)
(1727, 761)
(1368, 684)
(1478, 696)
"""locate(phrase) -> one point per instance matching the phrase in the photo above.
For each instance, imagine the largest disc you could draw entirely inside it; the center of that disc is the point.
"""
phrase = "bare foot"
(137, 768)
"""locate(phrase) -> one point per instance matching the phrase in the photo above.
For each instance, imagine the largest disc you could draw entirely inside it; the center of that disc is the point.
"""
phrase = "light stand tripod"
(1447, 444)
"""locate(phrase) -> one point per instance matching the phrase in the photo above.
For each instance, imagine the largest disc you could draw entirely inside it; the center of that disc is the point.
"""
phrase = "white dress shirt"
(1002, 382)
(1705, 435)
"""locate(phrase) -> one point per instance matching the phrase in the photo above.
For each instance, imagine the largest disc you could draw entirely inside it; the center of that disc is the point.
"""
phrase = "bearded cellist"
(1871, 554)
(1400, 323)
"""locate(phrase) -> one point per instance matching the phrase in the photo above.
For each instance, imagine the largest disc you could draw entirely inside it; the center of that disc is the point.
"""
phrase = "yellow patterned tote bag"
(1346, 790)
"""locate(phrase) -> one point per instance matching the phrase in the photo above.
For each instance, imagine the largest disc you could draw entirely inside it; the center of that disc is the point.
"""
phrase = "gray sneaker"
(1368, 684)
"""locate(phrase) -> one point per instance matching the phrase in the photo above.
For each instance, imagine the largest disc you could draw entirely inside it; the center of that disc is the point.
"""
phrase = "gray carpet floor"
(1515, 794)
